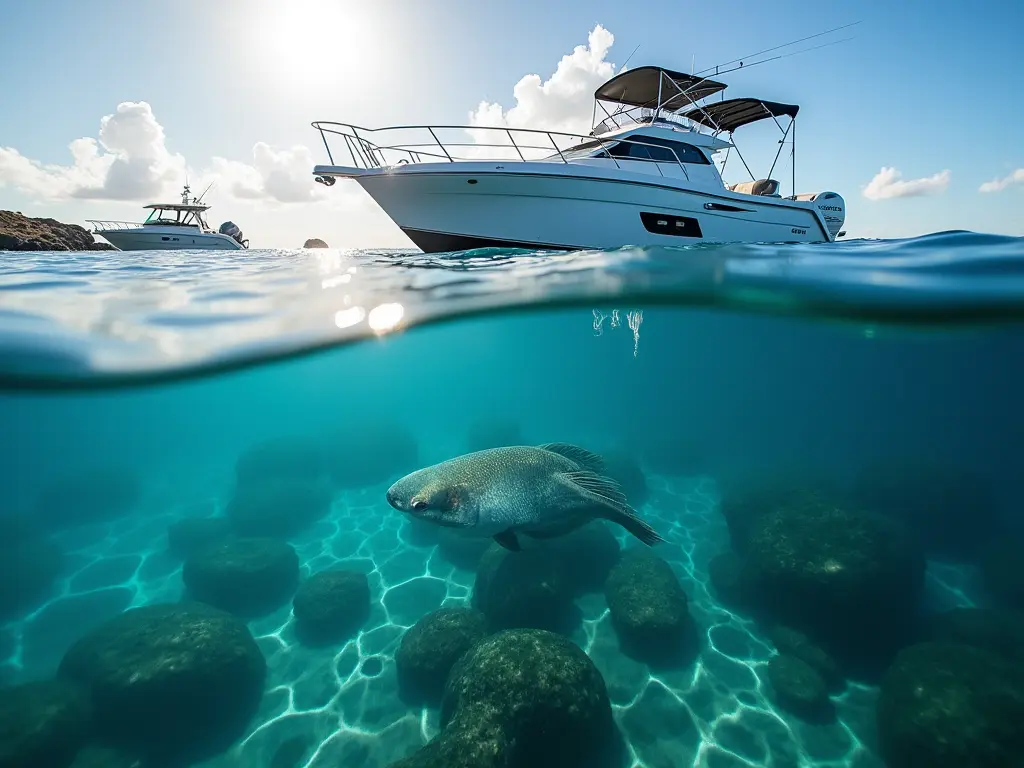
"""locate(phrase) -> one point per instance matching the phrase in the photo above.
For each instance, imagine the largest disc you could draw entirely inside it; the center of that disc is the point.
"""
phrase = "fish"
(541, 491)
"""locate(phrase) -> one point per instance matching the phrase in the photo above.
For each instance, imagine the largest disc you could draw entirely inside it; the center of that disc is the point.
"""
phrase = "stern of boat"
(830, 207)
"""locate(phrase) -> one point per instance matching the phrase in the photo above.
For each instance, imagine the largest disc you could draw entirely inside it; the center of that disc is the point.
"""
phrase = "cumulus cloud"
(887, 184)
(563, 102)
(129, 161)
(998, 185)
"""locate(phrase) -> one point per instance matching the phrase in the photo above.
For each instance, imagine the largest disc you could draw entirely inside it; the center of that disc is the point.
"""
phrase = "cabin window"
(660, 150)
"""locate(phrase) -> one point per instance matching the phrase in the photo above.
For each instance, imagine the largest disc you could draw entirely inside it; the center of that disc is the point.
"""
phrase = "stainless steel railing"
(428, 146)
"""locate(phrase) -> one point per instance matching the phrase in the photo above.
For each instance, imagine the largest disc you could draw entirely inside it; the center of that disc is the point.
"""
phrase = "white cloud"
(563, 102)
(998, 185)
(129, 161)
(887, 184)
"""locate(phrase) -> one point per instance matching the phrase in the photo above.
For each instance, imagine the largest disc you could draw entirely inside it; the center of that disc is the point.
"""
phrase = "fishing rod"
(777, 47)
(718, 72)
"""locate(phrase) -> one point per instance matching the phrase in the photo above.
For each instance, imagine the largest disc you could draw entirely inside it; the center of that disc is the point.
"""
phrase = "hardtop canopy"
(731, 114)
(640, 87)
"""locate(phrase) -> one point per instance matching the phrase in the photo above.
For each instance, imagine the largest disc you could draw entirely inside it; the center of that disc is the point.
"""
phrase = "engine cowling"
(231, 229)
(832, 209)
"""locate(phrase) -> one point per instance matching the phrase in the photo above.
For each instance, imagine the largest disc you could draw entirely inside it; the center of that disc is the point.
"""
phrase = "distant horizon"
(125, 129)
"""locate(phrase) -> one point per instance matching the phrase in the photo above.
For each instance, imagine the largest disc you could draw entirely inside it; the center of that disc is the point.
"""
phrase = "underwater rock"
(851, 581)
(526, 589)
(918, 493)
(315, 242)
(725, 570)
(431, 647)
(366, 453)
(194, 533)
(278, 507)
(746, 501)
(1000, 632)
(946, 705)
(248, 577)
(26, 233)
(493, 433)
(796, 644)
(281, 458)
(649, 610)
(799, 689)
(624, 469)
(29, 565)
(330, 606)
(90, 497)
(42, 724)
(523, 698)
(170, 682)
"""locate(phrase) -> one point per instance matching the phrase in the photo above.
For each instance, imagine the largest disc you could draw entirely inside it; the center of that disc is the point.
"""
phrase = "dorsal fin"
(581, 456)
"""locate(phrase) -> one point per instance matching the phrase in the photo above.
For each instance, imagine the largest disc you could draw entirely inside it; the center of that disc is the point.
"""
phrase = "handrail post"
(510, 138)
(326, 145)
(439, 144)
(555, 145)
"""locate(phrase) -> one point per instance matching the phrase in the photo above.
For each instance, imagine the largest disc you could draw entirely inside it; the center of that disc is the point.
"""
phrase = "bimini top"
(177, 207)
(730, 114)
(639, 88)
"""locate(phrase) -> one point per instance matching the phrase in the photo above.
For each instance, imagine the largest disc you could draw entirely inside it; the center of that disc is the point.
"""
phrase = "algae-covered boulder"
(798, 688)
(248, 577)
(523, 698)
(649, 610)
(1001, 632)
(171, 683)
(42, 724)
(431, 647)
(585, 556)
(850, 580)
(796, 644)
(330, 606)
(948, 705)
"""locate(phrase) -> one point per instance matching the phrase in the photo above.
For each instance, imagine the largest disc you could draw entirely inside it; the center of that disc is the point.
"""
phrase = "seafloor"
(328, 707)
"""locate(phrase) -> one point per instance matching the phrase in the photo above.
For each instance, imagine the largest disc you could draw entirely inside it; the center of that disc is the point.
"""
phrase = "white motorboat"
(171, 226)
(645, 175)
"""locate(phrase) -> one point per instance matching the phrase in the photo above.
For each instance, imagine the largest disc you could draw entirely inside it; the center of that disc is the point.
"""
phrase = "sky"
(111, 105)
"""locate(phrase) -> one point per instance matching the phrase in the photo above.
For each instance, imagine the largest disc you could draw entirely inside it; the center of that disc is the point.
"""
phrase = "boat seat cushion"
(763, 187)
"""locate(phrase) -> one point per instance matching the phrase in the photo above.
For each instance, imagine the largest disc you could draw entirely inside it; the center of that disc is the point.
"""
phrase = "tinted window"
(654, 148)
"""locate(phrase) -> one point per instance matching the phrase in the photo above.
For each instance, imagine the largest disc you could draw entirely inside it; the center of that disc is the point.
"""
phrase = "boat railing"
(428, 145)
(108, 224)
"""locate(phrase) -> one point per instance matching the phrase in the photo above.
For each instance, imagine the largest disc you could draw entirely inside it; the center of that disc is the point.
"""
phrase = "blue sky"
(232, 86)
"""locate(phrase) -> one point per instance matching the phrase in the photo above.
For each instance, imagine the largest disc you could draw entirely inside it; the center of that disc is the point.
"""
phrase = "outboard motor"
(231, 229)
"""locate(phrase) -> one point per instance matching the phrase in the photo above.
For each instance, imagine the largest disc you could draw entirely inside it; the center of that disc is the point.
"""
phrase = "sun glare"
(315, 42)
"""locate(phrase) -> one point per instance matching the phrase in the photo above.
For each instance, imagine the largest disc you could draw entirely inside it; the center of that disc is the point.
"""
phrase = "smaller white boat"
(171, 227)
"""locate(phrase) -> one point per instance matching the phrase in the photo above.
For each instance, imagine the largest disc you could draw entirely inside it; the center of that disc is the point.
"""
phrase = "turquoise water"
(282, 392)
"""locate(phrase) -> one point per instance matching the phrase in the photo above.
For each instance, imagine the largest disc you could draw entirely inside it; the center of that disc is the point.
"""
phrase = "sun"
(315, 43)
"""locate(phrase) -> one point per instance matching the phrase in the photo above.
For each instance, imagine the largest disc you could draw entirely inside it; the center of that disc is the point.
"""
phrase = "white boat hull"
(167, 239)
(575, 206)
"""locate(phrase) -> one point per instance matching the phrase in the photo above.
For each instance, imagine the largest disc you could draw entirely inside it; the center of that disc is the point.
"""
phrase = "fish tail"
(612, 503)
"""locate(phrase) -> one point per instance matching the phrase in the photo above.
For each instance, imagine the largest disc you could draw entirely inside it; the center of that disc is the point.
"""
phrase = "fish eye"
(419, 505)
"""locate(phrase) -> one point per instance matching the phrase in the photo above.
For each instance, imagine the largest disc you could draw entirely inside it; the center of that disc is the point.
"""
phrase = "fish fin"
(508, 540)
(612, 503)
(583, 457)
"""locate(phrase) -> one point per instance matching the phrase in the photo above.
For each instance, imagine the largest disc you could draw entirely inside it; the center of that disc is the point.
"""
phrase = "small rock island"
(23, 233)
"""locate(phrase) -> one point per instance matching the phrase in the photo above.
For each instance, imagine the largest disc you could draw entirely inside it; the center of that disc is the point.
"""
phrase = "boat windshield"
(175, 217)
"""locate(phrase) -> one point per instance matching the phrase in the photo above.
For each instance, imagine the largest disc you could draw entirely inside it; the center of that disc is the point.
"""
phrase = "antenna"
(200, 199)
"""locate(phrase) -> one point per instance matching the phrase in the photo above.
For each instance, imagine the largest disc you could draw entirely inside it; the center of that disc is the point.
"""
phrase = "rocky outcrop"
(315, 242)
(23, 233)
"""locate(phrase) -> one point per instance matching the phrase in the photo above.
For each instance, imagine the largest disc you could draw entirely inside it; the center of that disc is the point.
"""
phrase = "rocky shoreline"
(23, 233)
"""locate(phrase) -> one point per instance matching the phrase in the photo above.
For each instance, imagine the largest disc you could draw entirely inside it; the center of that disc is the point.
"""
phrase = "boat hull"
(448, 210)
(166, 239)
